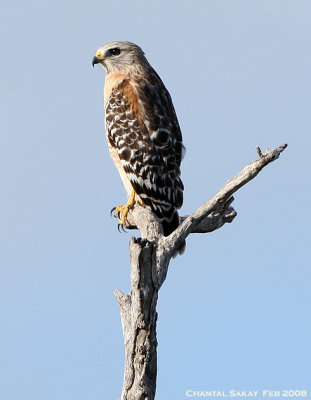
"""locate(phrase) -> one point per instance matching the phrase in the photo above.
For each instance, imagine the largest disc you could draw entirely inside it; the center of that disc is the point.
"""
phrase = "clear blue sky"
(234, 312)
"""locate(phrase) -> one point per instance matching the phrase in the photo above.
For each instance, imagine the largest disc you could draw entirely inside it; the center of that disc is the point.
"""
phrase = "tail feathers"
(169, 218)
(169, 225)
(170, 222)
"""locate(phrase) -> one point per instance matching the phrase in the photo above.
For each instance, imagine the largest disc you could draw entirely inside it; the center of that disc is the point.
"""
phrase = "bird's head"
(119, 57)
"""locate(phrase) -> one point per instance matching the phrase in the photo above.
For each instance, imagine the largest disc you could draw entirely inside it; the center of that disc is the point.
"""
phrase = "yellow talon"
(123, 210)
(142, 203)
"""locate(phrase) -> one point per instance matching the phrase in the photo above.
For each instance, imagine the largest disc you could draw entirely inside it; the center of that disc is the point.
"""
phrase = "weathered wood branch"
(225, 214)
(150, 256)
(244, 176)
(138, 318)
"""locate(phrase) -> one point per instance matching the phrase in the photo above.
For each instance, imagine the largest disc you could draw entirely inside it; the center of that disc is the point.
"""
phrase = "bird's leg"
(142, 203)
(123, 210)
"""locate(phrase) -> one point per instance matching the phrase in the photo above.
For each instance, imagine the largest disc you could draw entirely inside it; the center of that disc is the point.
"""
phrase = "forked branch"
(150, 256)
(210, 216)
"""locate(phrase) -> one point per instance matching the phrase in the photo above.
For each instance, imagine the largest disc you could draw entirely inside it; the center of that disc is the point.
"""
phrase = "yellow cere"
(98, 54)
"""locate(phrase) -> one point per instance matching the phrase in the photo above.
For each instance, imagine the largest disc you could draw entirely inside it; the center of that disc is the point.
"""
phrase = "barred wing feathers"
(142, 126)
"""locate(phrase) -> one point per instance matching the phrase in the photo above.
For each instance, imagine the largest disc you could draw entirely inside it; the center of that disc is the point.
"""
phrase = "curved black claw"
(122, 227)
(112, 210)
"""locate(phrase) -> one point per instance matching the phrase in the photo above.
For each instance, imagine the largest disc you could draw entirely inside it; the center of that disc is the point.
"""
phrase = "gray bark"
(150, 256)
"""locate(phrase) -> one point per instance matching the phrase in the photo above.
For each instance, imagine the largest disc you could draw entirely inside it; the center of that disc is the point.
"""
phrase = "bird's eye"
(115, 52)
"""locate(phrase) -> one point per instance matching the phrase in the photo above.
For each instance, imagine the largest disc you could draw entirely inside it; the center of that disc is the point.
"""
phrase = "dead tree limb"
(150, 256)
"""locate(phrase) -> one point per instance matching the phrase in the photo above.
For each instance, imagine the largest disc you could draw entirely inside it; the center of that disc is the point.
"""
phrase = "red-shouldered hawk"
(142, 131)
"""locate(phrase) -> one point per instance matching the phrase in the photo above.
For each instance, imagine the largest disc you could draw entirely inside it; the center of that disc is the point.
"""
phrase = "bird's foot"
(122, 211)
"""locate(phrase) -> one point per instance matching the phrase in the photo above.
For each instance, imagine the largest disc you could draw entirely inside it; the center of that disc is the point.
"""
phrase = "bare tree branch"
(138, 318)
(150, 256)
(215, 220)
(244, 176)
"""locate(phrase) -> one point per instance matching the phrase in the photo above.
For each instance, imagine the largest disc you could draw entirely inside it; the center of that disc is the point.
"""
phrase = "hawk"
(142, 131)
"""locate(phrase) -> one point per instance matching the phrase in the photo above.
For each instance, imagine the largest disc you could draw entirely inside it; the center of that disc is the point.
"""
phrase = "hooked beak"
(96, 60)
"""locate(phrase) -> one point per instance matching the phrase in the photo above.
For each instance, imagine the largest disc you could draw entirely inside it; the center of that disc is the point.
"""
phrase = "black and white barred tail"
(169, 218)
